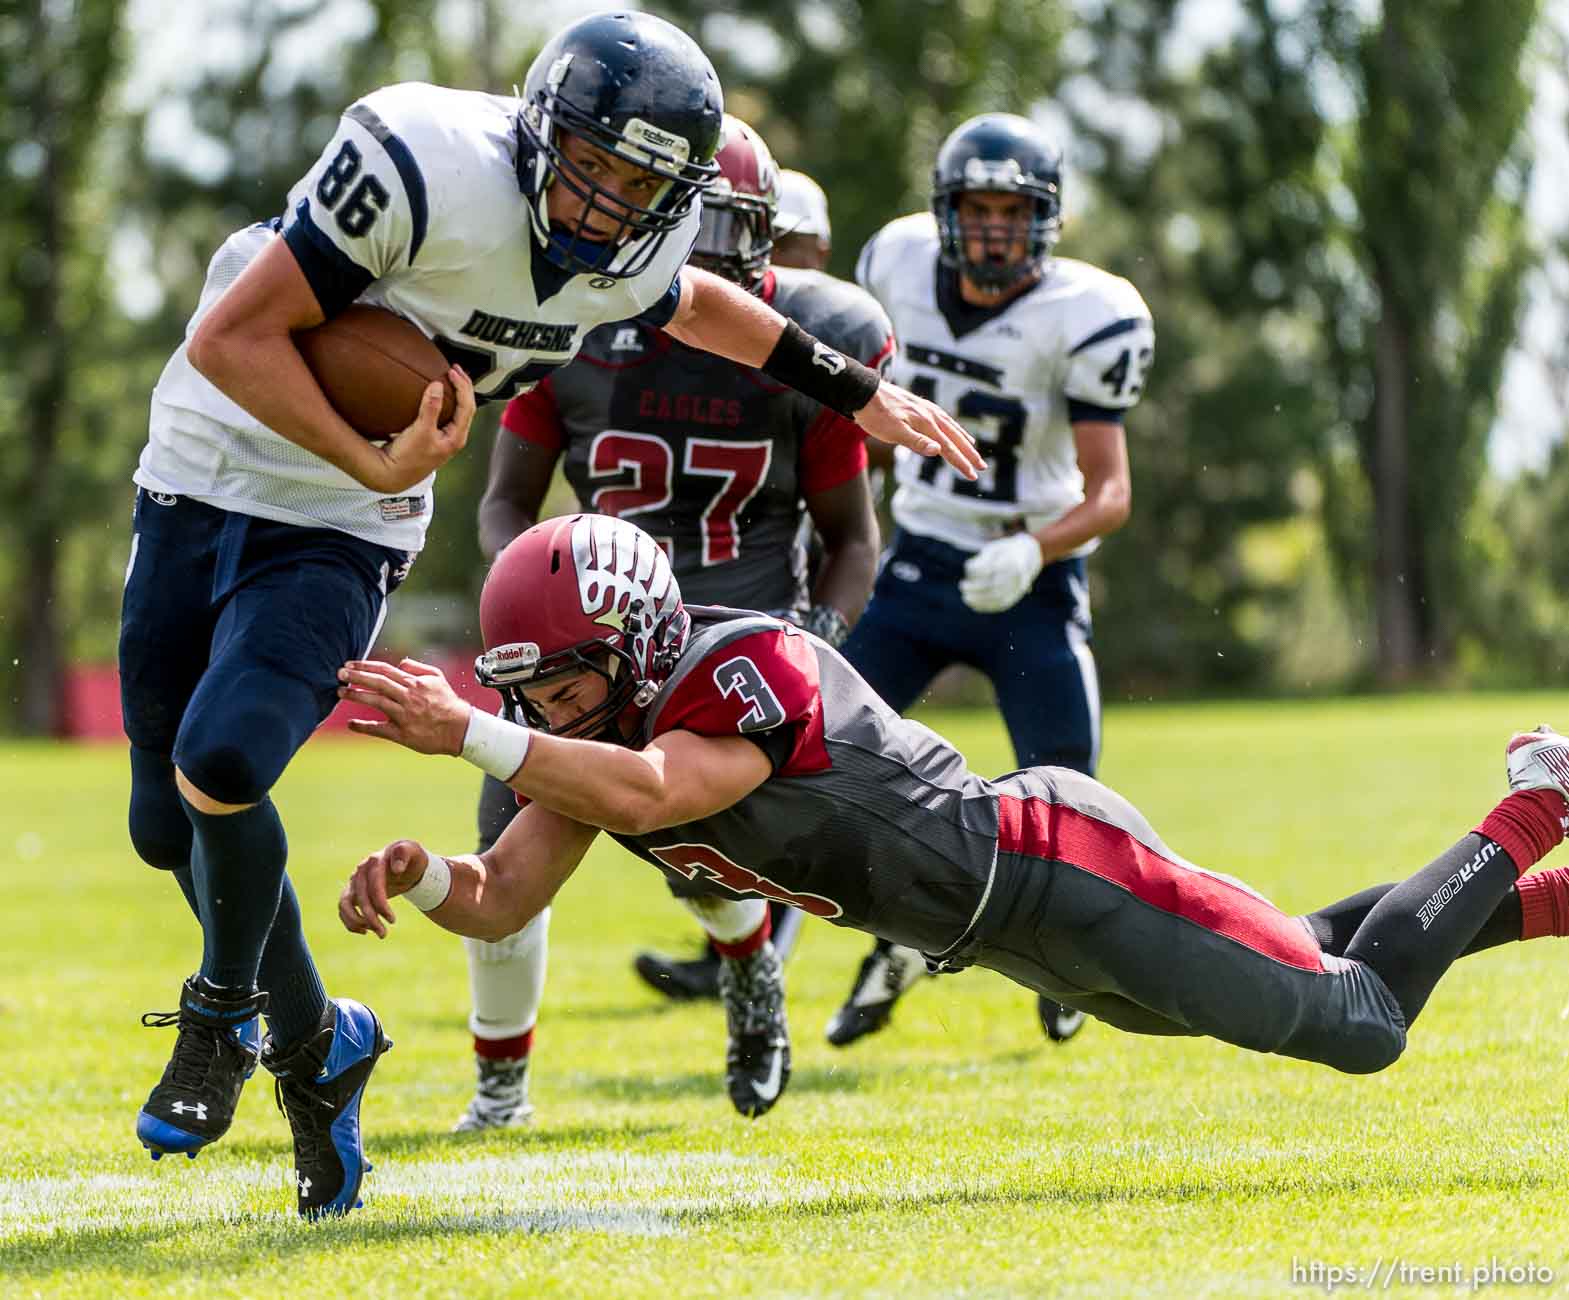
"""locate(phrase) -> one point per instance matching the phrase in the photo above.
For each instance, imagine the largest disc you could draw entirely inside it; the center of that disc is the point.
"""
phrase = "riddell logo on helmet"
(514, 660)
(519, 652)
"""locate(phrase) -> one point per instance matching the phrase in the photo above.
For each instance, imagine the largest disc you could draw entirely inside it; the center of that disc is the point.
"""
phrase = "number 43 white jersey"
(414, 206)
(1079, 342)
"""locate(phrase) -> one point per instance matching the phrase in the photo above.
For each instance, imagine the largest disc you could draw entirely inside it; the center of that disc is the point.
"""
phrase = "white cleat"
(1538, 760)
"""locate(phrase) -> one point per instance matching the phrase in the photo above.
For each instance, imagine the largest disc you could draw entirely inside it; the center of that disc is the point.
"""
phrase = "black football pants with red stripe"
(1090, 907)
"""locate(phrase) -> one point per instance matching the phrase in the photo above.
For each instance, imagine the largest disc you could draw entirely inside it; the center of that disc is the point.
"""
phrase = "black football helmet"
(998, 153)
(736, 237)
(638, 88)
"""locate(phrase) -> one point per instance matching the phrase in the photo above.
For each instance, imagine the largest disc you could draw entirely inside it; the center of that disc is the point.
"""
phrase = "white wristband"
(434, 885)
(494, 745)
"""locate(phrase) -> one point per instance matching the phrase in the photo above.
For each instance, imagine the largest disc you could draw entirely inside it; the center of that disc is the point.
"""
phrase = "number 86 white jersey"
(1075, 346)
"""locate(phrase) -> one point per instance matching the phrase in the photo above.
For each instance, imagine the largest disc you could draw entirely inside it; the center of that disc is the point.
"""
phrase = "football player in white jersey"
(1040, 357)
(268, 532)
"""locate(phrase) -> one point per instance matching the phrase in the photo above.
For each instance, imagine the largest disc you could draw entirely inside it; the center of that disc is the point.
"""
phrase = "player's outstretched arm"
(678, 778)
(721, 317)
(243, 347)
(483, 896)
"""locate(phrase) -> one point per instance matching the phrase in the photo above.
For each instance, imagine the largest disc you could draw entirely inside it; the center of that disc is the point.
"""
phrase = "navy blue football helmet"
(998, 153)
(638, 88)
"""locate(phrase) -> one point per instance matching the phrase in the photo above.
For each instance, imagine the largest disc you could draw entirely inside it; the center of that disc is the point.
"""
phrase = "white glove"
(998, 575)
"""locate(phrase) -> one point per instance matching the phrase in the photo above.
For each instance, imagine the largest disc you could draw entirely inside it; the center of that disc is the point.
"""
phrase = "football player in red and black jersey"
(716, 461)
(734, 747)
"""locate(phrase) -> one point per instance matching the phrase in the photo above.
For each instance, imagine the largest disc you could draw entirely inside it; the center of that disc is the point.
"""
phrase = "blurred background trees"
(1323, 205)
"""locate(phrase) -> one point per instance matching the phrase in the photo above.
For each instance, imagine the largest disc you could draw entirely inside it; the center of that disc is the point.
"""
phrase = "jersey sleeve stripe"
(535, 417)
(1078, 410)
(663, 311)
(1124, 326)
(335, 278)
(408, 171)
(879, 363)
(833, 451)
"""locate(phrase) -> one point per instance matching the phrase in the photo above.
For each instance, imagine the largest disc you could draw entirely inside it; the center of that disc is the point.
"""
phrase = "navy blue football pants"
(232, 632)
(1037, 654)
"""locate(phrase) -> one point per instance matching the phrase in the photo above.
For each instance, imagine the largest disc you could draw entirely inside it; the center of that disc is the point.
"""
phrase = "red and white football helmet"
(736, 237)
(582, 593)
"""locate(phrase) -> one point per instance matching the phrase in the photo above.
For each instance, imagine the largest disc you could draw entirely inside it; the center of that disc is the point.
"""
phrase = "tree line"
(1323, 208)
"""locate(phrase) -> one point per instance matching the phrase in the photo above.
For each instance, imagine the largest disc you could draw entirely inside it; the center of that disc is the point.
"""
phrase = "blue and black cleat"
(321, 1083)
(216, 1052)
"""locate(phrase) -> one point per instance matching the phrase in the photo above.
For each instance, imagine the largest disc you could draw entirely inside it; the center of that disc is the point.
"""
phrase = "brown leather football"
(374, 365)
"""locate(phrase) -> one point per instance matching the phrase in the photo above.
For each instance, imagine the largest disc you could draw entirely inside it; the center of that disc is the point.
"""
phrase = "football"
(374, 365)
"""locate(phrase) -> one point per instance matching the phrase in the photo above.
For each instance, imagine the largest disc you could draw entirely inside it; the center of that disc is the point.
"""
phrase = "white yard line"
(595, 1191)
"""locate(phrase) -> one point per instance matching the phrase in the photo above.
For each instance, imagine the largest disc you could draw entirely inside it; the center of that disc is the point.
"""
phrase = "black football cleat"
(320, 1084)
(193, 1104)
(680, 981)
(1058, 1022)
(885, 973)
(757, 1058)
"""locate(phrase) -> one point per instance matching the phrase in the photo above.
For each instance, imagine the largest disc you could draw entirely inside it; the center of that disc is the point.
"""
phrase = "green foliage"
(59, 63)
(1439, 170)
(1519, 630)
(861, 94)
(1301, 238)
(1211, 200)
(1275, 197)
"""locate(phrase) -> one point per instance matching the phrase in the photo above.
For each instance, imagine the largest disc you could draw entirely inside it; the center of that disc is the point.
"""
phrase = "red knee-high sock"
(1544, 903)
(1527, 825)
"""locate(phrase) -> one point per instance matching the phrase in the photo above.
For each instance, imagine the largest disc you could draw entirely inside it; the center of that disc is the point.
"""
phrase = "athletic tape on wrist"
(434, 885)
(809, 366)
(494, 745)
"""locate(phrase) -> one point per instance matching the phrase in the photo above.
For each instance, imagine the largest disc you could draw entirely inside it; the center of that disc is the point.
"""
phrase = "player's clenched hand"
(425, 446)
(365, 906)
(898, 416)
(421, 710)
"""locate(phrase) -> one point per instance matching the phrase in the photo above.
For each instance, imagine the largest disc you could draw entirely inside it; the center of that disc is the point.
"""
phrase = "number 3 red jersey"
(711, 457)
(870, 820)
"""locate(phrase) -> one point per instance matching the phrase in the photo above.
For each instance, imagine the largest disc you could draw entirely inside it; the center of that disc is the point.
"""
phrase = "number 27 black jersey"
(711, 457)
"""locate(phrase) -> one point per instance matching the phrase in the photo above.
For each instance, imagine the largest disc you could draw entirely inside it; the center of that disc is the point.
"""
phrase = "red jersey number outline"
(742, 467)
(693, 860)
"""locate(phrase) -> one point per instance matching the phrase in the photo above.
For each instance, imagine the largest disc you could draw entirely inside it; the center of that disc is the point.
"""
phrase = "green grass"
(956, 1154)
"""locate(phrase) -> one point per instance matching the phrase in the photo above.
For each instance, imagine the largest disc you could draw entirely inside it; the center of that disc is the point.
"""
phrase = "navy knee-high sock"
(295, 996)
(237, 864)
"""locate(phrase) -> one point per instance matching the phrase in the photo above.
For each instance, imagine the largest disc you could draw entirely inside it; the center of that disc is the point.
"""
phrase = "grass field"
(956, 1154)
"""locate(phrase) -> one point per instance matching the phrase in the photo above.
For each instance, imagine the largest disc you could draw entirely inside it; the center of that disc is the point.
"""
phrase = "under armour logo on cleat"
(305, 1186)
(199, 1109)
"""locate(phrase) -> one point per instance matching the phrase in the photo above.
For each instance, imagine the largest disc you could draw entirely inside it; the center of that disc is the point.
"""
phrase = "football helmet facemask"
(998, 153)
(584, 593)
(736, 238)
(636, 87)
